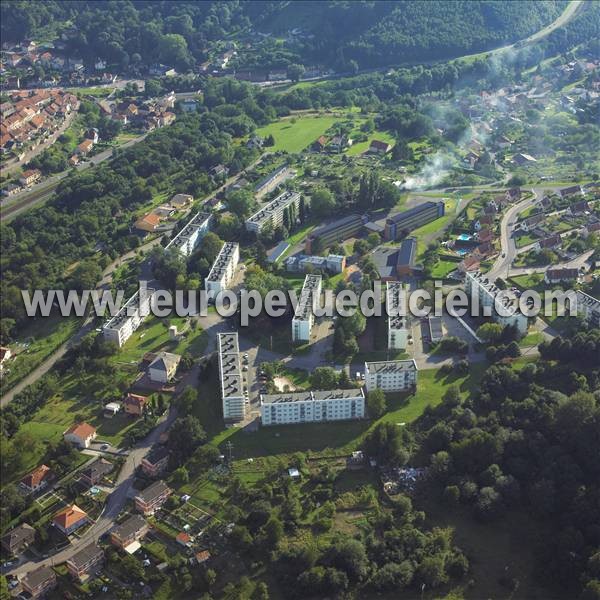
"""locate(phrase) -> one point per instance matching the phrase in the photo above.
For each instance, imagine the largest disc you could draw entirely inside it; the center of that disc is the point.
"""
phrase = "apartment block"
(39, 582)
(397, 323)
(301, 263)
(230, 375)
(129, 532)
(337, 231)
(308, 407)
(131, 315)
(149, 500)
(223, 269)
(400, 224)
(86, 562)
(273, 211)
(391, 375)
(589, 308)
(267, 184)
(499, 306)
(191, 234)
(303, 317)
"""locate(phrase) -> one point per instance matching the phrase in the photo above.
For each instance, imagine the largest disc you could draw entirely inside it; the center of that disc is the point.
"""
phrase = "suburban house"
(148, 223)
(470, 263)
(148, 501)
(571, 191)
(84, 148)
(86, 562)
(96, 472)
(181, 200)
(37, 480)
(561, 274)
(579, 207)
(521, 159)
(135, 404)
(111, 409)
(80, 434)
(39, 582)
(30, 176)
(320, 143)
(590, 228)
(163, 368)
(156, 461)
(379, 147)
(548, 243)
(184, 539)
(18, 539)
(531, 222)
(70, 519)
(202, 556)
(129, 532)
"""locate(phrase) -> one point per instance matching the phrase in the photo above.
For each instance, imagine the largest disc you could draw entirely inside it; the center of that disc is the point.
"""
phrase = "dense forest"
(339, 34)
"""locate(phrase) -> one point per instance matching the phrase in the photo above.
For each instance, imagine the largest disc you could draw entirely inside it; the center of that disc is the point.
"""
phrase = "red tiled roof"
(68, 516)
(82, 430)
(36, 476)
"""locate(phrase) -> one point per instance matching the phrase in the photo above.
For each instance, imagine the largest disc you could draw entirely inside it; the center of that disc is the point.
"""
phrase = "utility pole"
(229, 447)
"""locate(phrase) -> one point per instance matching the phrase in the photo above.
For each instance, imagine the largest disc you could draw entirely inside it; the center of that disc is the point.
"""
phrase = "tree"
(376, 403)
(490, 332)
(324, 378)
(295, 71)
(322, 203)
(241, 203)
(273, 532)
(386, 444)
(180, 476)
(185, 435)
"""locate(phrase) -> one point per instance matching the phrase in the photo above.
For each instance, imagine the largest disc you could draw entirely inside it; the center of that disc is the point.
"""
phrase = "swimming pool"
(465, 237)
(462, 252)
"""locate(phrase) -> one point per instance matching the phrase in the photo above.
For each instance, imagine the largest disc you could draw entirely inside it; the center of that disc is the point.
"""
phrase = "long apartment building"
(391, 375)
(402, 223)
(397, 323)
(267, 184)
(273, 211)
(223, 269)
(191, 234)
(336, 231)
(487, 292)
(308, 407)
(131, 315)
(589, 308)
(230, 376)
(303, 316)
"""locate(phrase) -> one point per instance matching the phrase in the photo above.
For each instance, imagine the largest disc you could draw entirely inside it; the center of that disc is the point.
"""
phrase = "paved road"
(115, 503)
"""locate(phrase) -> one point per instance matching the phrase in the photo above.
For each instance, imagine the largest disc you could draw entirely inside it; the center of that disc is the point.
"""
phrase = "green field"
(361, 147)
(297, 133)
(443, 268)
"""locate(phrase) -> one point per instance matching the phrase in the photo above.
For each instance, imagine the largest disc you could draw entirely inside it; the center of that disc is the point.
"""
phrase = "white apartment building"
(191, 234)
(397, 323)
(273, 180)
(589, 308)
(308, 407)
(273, 211)
(131, 315)
(303, 317)
(488, 295)
(223, 269)
(230, 376)
(391, 375)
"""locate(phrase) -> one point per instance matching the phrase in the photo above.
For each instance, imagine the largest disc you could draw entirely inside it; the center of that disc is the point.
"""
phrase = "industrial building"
(230, 376)
(391, 375)
(273, 211)
(308, 407)
(303, 317)
(223, 269)
(401, 224)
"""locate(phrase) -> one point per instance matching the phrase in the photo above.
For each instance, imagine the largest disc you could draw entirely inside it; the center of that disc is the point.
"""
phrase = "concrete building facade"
(303, 316)
(223, 269)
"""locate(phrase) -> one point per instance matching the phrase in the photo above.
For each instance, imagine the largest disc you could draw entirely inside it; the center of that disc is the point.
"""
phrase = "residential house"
(521, 159)
(338, 143)
(379, 147)
(148, 223)
(571, 191)
(18, 539)
(532, 221)
(590, 228)
(202, 556)
(135, 404)
(513, 194)
(472, 158)
(69, 519)
(579, 207)
(184, 539)
(37, 480)
(39, 582)
(556, 275)
(181, 200)
(320, 143)
(163, 368)
(96, 472)
(130, 531)
(149, 500)
(549, 242)
(86, 562)
(84, 148)
(80, 434)
(255, 142)
(484, 235)
(111, 409)
(470, 263)
(29, 177)
(156, 461)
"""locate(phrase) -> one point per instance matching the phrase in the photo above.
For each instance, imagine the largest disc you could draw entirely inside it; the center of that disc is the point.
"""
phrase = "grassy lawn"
(443, 268)
(36, 343)
(295, 134)
(531, 339)
(153, 336)
(361, 147)
(525, 240)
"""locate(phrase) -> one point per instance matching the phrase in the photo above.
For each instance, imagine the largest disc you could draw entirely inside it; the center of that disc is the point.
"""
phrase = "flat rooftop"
(309, 396)
(222, 261)
(391, 366)
(284, 199)
(311, 285)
